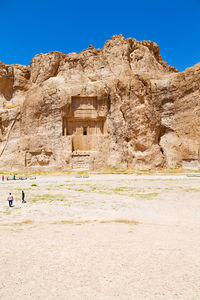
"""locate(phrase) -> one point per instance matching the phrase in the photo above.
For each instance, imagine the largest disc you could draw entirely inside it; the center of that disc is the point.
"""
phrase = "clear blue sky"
(39, 26)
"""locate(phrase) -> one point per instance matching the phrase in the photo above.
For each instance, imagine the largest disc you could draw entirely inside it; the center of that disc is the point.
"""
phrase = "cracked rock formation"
(116, 107)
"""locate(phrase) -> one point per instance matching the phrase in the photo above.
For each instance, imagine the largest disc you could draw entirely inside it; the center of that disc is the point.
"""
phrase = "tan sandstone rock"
(116, 107)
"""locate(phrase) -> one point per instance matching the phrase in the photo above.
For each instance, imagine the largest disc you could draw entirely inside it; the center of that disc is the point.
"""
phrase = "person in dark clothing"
(10, 200)
(23, 197)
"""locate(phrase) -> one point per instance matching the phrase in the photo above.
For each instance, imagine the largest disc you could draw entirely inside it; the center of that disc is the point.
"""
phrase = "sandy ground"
(102, 237)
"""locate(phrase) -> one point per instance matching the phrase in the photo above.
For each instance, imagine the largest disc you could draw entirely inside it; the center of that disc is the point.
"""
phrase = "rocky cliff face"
(116, 107)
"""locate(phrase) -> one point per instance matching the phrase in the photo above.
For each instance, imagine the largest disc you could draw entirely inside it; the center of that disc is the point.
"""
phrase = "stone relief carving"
(84, 107)
(38, 158)
(190, 164)
(81, 160)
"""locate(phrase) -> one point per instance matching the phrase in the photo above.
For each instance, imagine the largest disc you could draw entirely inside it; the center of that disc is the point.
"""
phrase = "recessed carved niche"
(85, 121)
(190, 164)
(38, 158)
(81, 160)
(84, 107)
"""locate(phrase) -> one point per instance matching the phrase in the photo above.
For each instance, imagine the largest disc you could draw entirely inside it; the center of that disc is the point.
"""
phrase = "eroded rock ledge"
(116, 107)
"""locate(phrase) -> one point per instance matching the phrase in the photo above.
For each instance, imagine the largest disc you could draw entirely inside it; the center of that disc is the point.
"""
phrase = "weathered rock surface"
(116, 107)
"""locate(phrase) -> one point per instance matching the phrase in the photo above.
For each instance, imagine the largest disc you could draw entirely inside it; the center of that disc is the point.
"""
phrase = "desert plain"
(106, 236)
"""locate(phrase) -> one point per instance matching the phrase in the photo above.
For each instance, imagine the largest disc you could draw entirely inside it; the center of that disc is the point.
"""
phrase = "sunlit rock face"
(116, 107)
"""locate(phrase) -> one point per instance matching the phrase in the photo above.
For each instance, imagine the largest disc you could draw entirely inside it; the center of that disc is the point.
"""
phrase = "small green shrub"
(82, 172)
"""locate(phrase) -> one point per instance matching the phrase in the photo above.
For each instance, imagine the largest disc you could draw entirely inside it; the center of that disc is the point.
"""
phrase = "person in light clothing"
(10, 200)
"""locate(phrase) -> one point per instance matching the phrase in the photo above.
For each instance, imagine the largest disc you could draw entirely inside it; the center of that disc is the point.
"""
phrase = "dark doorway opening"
(84, 131)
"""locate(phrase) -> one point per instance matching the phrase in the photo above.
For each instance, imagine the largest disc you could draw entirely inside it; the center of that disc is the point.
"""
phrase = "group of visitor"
(11, 199)
(10, 196)
(8, 178)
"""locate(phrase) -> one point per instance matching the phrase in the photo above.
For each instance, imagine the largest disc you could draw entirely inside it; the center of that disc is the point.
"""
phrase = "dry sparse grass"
(71, 222)
(25, 222)
(48, 197)
(124, 188)
(146, 196)
(191, 190)
(7, 212)
(122, 221)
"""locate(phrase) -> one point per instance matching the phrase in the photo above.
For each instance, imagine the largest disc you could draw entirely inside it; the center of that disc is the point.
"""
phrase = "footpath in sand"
(103, 237)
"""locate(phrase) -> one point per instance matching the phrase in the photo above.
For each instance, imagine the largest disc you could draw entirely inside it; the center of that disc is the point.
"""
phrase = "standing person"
(10, 200)
(23, 197)
(3, 178)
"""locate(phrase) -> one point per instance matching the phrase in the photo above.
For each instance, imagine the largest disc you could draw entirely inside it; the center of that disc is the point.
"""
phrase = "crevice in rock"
(109, 103)
(161, 150)
(7, 138)
(122, 112)
(163, 130)
(167, 100)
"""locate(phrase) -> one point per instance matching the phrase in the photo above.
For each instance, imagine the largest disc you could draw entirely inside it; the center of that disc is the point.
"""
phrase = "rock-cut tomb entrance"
(85, 122)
